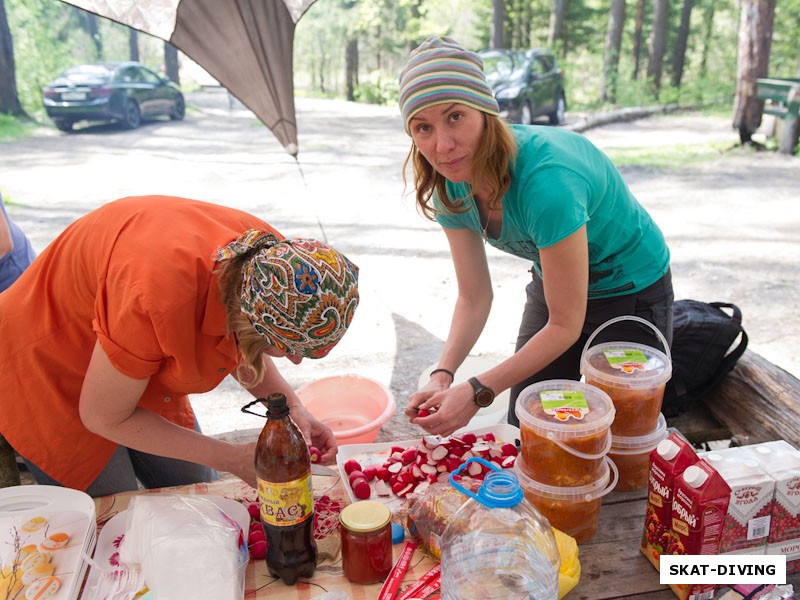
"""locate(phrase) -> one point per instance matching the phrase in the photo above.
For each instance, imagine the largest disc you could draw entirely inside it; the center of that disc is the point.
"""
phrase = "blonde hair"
(250, 343)
(491, 165)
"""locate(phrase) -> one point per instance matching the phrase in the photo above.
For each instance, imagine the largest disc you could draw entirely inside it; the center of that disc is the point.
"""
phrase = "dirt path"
(731, 223)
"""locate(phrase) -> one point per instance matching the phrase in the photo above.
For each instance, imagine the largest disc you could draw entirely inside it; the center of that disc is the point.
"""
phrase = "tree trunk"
(94, 33)
(499, 19)
(171, 63)
(556, 33)
(616, 24)
(9, 99)
(638, 29)
(658, 35)
(679, 57)
(351, 68)
(755, 42)
(133, 44)
(708, 25)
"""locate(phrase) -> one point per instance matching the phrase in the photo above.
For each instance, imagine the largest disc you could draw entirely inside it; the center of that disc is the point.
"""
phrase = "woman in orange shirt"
(140, 303)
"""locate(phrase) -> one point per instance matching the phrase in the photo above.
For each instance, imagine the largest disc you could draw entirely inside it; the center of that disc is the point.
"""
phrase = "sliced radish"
(352, 465)
(409, 455)
(361, 488)
(439, 452)
(382, 489)
(509, 450)
(508, 462)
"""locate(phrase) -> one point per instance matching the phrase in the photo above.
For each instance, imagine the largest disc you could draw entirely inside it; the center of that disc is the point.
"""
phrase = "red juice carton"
(699, 505)
(747, 522)
(784, 533)
(669, 459)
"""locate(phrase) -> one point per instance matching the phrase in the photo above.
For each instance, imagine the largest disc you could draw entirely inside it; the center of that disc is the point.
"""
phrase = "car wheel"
(525, 114)
(178, 109)
(557, 116)
(64, 125)
(132, 117)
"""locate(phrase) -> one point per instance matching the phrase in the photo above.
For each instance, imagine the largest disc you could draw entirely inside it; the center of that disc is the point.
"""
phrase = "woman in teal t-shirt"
(543, 194)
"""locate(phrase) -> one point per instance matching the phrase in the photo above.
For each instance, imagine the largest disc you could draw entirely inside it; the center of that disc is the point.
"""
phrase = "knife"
(322, 470)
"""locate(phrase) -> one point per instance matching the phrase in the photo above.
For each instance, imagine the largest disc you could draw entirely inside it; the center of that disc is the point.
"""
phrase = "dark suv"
(527, 84)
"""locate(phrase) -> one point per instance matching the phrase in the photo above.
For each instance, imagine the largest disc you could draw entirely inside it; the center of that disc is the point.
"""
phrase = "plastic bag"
(187, 547)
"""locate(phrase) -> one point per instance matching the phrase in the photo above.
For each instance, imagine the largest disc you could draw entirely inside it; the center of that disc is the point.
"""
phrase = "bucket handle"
(580, 454)
(660, 335)
(610, 487)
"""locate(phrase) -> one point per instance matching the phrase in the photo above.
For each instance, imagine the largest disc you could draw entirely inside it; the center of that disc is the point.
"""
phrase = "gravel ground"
(731, 223)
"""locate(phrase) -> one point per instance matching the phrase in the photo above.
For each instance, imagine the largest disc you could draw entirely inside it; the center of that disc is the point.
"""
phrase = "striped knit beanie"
(441, 71)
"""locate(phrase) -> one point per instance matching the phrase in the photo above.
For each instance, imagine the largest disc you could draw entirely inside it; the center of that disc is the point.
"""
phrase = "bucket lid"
(626, 365)
(640, 443)
(563, 409)
(601, 486)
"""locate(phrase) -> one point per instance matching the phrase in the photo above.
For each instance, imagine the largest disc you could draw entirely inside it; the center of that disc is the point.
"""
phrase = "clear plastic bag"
(186, 546)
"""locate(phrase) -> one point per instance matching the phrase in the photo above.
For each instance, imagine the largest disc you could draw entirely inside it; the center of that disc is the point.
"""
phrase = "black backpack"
(702, 351)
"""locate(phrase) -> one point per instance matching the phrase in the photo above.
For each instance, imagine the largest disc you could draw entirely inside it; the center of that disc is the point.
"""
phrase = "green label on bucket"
(563, 404)
(626, 361)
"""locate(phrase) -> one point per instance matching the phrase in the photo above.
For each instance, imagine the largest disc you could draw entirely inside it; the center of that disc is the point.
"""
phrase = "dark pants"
(126, 466)
(653, 304)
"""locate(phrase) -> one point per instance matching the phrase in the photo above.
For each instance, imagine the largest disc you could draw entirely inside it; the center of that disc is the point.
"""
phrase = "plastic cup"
(631, 455)
(573, 510)
(564, 431)
(633, 375)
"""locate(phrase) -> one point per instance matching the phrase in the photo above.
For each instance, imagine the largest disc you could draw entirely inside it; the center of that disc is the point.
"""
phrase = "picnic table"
(782, 99)
(612, 566)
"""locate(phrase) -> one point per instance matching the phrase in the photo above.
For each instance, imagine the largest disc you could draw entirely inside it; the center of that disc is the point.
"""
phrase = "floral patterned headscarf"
(298, 293)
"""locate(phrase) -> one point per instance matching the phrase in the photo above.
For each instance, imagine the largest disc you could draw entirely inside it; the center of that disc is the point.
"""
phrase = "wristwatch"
(483, 396)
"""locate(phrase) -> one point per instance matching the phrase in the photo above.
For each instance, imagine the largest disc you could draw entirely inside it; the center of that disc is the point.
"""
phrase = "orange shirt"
(134, 274)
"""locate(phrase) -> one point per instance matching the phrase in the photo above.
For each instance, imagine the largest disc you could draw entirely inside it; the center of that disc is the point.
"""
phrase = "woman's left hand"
(452, 409)
(317, 434)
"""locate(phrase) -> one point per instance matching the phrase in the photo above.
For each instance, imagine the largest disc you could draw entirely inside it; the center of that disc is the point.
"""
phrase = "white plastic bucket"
(565, 431)
(633, 375)
(631, 455)
(573, 510)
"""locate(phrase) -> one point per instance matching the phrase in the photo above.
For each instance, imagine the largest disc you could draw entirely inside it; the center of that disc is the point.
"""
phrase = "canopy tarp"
(246, 45)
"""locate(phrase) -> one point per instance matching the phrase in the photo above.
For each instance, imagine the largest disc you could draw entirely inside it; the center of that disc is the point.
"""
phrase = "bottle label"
(286, 503)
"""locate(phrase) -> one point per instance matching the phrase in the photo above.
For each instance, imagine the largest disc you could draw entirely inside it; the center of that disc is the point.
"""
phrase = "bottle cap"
(667, 449)
(398, 533)
(694, 476)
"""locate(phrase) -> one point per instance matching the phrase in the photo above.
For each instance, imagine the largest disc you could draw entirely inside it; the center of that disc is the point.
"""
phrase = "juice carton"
(747, 523)
(784, 533)
(699, 505)
(669, 459)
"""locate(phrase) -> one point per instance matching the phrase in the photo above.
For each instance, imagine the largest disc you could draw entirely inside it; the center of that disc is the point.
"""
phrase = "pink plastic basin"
(354, 407)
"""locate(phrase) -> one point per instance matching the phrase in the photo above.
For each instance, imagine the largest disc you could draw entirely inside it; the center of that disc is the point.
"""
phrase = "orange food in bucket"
(564, 431)
(631, 455)
(633, 375)
(573, 510)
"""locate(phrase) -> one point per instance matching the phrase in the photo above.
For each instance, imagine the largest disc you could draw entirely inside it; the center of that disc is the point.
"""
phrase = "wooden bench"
(782, 100)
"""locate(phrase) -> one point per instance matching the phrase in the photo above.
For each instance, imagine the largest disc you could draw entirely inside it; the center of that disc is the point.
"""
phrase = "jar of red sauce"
(366, 534)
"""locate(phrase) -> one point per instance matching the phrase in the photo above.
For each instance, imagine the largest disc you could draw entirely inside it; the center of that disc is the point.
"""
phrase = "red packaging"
(784, 534)
(670, 458)
(699, 506)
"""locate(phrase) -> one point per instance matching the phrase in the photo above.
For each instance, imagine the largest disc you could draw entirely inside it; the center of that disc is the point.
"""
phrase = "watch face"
(484, 397)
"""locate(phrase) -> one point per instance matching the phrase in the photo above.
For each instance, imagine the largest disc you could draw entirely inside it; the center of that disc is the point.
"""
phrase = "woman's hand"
(315, 432)
(451, 408)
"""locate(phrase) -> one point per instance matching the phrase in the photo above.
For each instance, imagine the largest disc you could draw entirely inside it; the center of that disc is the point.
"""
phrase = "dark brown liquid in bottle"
(283, 468)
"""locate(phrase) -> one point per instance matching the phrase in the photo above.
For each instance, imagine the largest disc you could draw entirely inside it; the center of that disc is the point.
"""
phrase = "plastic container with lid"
(564, 431)
(631, 455)
(633, 375)
(498, 546)
(573, 510)
(366, 534)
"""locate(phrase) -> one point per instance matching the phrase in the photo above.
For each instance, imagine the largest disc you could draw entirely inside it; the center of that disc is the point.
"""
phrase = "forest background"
(614, 53)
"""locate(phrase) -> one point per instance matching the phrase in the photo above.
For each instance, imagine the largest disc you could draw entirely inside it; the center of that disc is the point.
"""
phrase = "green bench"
(782, 99)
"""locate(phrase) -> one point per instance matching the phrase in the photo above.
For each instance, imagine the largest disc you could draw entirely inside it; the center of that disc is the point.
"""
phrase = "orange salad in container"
(564, 431)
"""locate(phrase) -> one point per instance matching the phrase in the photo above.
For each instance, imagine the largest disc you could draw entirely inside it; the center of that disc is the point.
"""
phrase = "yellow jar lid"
(365, 516)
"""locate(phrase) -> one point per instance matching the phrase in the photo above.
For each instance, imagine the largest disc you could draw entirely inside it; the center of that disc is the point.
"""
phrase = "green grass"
(665, 157)
(12, 128)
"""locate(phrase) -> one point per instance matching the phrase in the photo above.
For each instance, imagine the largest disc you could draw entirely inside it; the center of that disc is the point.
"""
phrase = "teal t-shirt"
(560, 182)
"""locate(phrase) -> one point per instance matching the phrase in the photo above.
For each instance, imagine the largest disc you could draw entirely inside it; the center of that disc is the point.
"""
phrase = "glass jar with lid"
(366, 534)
